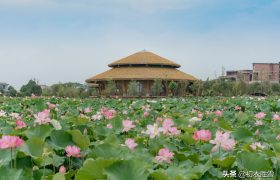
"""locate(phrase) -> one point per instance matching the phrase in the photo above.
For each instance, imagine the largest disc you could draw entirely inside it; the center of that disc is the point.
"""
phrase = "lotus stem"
(11, 158)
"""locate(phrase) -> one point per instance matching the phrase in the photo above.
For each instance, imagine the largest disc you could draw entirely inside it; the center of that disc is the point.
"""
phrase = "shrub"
(183, 88)
(132, 88)
(157, 88)
(173, 86)
(110, 88)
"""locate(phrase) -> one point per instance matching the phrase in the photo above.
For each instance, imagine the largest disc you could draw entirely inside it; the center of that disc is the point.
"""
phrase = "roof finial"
(144, 50)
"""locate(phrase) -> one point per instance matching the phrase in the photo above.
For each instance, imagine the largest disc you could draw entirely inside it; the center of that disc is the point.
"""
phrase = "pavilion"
(143, 67)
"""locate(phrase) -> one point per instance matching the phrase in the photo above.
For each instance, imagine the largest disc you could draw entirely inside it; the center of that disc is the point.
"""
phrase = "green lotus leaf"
(127, 170)
(79, 139)
(8, 173)
(252, 162)
(33, 147)
(94, 169)
(61, 138)
(41, 131)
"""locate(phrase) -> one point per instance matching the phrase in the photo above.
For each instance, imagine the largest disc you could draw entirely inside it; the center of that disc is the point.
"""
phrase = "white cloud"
(146, 6)
(156, 5)
(24, 2)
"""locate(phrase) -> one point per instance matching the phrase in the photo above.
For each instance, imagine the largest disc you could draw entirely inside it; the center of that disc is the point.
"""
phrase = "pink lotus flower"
(146, 108)
(127, 125)
(84, 116)
(278, 137)
(2, 113)
(173, 131)
(73, 151)
(109, 126)
(7, 142)
(260, 115)
(97, 116)
(164, 155)
(108, 114)
(43, 117)
(200, 115)
(20, 124)
(219, 113)
(237, 108)
(222, 140)
(62, 169)
(194, 120)
(146, 114)
(51, 106)
(15, 115)
(87, 110)
(276, 117)
(153, 130)
(215, 120)
(257, 133)
(168, 128)
(202, 135)
(259, 123)
(167, 123)
(257, 145)
(130, 143)
(159, 120)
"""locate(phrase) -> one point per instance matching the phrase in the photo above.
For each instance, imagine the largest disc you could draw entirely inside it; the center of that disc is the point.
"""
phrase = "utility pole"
(223, 70)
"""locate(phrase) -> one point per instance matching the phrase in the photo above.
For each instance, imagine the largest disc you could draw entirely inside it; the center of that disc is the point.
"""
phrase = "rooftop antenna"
(223, 70)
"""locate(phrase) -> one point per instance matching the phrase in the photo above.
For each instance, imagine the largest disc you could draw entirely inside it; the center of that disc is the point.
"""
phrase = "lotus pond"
(139, 139)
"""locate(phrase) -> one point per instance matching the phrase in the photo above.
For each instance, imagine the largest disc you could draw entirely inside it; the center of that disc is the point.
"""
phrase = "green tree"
(31, 88)
(239, 88)
(12, 92)
(157, 88)
(197, 88)
(110, 87)
(183, 88)
(132, 88)
(69, 89)
(173, 86)
(275, 87)
(47, 92)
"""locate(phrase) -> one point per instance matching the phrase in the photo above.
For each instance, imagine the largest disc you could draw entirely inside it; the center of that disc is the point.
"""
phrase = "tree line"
(32, 88)
(216, 87)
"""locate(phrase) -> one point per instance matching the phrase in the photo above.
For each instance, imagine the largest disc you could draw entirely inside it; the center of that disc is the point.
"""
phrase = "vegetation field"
(138, 139)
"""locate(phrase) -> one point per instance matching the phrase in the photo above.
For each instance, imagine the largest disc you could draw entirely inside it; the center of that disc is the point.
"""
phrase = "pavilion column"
(149, 87)
(165, 85)
(123, 87)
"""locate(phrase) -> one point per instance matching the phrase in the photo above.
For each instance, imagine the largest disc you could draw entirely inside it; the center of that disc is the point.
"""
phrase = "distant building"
(4, 87)
(261, 72)
(244, 75)
(44, 87)
(266, 72)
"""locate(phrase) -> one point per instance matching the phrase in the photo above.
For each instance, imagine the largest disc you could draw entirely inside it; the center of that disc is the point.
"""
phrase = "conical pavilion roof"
(142, 73)
(144, 58)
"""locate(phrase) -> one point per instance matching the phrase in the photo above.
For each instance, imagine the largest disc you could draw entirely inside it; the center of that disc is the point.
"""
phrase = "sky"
(71, 40)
